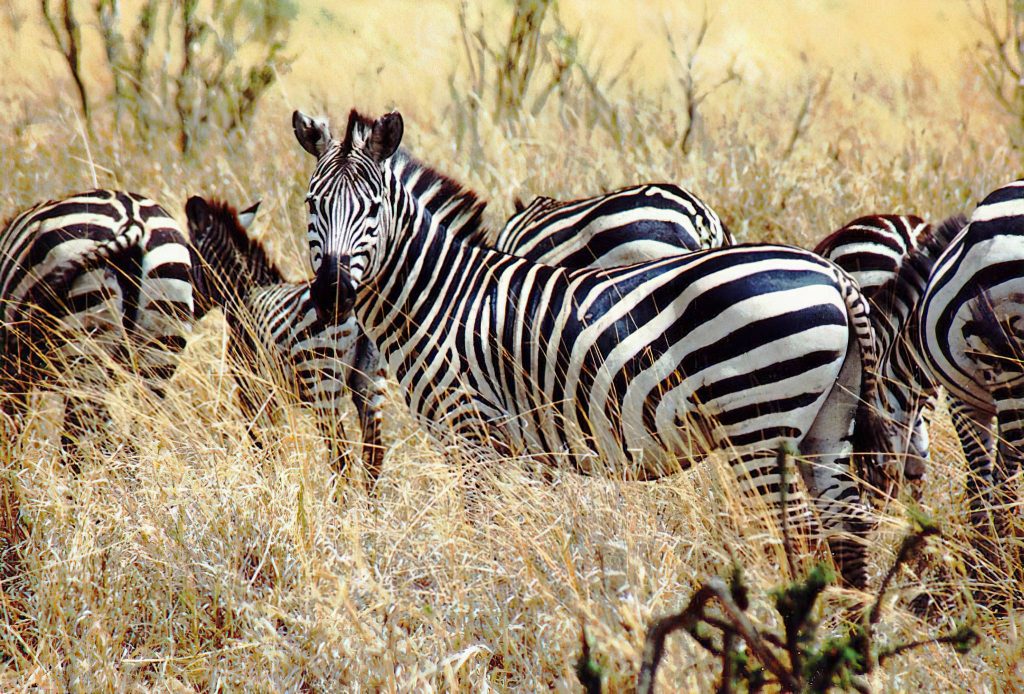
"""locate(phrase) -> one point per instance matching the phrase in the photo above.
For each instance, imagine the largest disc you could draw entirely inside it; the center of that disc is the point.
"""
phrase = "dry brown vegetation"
(183, 558)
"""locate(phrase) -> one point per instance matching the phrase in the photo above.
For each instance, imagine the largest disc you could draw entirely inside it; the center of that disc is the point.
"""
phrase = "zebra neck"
(429, 277)
(451, 204)
(259, 270)
(227, 284)
(897, 327)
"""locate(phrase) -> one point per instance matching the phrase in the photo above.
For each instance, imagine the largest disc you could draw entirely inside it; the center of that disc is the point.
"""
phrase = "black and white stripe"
(271, 318)
(881, 252)
(632, 372)
(639, 223)
(108, 264)
(630, 225)
(972, 338)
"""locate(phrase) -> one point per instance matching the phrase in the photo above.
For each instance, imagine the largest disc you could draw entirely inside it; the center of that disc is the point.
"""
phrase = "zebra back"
(873, 248)
(634, 224)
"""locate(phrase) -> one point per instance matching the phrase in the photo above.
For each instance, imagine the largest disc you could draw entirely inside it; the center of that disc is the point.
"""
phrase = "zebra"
(629, 225)
(875, 251)
(106, 264)
(267, 315)
(971, 336)
(654, 220)
(619, 371)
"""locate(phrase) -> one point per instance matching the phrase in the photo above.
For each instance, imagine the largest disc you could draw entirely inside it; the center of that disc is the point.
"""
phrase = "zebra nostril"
(914, 470)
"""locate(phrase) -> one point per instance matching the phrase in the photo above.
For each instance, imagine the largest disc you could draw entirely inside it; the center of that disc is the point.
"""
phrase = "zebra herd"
(624, 335)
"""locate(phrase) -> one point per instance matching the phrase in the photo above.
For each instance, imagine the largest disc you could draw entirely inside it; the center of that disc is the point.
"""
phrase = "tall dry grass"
(184, 558)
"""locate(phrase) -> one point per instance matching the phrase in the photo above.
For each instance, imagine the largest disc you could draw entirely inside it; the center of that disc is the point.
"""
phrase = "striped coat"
(107, 264)
(630, 372)
(270, 318)
(879, 252)
(625, 226)
(971, 334)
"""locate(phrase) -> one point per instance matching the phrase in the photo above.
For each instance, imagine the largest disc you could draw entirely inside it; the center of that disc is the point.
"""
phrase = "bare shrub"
(801, 659)
(693, 93)
(191, 78)
(67, 34)
(1001, 58)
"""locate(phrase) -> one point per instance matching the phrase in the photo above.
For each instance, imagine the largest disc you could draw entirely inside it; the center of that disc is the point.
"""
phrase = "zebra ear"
(314, 135)
(246, 216)
(518, 204)
(196, 208)
(386, 136)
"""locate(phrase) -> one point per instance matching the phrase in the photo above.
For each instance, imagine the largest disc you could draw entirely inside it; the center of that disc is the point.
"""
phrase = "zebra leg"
(974, 430)
(320, 375)
(333, 432)
(994, 505)
(254, 401)
(1009, 454)
(760, 477)
(366, 382)
(92, 332)
(165, 310)
(826, 458)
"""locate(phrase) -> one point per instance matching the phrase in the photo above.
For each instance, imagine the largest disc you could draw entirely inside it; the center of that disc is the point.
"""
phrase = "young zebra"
(971, 333)
(632, 372)
(882, 253)
(106, 264)
(630, 225)
(268, 316)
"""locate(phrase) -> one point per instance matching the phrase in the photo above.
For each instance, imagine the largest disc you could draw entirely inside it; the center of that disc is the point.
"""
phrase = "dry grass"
(183, 558)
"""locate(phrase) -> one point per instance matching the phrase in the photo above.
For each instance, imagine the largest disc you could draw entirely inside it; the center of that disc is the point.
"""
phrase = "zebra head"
(346, 203)
(907, 390)
(220, 250)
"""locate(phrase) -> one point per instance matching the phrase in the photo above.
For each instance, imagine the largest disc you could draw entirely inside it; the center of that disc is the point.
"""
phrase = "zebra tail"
(869, 425)
(54, 285)
(858, 311)
(1002, 341)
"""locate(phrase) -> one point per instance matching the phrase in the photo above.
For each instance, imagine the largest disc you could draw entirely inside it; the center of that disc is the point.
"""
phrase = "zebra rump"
(971, 333)
(106, 264)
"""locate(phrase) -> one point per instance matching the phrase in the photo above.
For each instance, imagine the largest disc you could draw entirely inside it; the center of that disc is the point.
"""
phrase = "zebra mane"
(916, 267)
(248, 247)
(933, 241)
(943, 234)
(457, 207)
(230, 262)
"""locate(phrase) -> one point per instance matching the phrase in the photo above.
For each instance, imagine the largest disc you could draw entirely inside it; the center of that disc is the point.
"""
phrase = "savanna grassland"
(181, 557)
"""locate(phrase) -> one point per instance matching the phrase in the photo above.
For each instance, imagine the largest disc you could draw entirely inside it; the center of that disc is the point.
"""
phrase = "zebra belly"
(750, 404)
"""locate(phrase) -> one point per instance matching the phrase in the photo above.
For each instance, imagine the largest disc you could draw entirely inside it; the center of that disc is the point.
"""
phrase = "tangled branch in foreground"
(800, 659)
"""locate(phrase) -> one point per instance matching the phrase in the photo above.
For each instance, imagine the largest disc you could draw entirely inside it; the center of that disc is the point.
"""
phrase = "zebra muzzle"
(333, 291)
